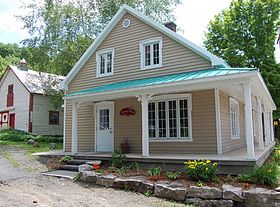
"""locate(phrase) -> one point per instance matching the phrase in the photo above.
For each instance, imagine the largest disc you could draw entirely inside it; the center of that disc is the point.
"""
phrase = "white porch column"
(218, 121)
(271, 126)
(260, 127)
(145, 125)
(267, 128)
(249, 121)
(74, 127)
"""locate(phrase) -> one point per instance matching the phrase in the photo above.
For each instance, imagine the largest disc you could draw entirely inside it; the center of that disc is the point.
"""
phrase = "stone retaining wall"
(206, 196)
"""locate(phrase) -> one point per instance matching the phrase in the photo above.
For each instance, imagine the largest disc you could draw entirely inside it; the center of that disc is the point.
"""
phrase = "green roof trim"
(191, 75)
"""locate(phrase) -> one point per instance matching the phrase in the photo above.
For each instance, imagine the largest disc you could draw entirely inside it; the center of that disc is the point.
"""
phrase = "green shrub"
(267, 174)
(134, 166)
(21, 136)
(118, 159)
(154, 171)
(276, 156)
(66, 158)
(173, 175)
(245, 178)
(201, 170)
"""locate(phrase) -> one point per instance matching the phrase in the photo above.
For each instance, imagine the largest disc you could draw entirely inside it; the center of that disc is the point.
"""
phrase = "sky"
(192, 17)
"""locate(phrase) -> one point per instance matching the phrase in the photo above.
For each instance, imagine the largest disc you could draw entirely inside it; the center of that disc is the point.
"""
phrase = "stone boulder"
(36, 144)
(88, 176)
(232, 193)
(105, 180)
(204, 192)
(135, 183)
(170, 190)
(209, 203)
(52, 146)
(84, 167)
(257, 197)
(30, 142)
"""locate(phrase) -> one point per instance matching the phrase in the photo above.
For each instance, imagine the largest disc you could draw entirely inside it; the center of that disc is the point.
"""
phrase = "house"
(24, 106)
(141, 81)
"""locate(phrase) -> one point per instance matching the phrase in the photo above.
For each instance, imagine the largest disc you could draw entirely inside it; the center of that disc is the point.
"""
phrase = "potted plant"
(125, 147)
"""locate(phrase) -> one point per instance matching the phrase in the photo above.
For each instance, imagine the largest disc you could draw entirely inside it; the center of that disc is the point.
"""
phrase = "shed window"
(10, 96)
(53, 118)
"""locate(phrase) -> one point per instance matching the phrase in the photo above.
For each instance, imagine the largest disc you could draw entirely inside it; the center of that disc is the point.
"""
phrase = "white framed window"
(151, 53)
(234, 118)
(105, 62)
(169, 118)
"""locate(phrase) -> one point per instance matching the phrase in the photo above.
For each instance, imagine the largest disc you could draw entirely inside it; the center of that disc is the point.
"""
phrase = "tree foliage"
(61, 31)
(244, 35)
(9, 54)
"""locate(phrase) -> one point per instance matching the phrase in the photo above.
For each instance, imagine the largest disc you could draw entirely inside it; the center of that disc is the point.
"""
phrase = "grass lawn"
(30, 149)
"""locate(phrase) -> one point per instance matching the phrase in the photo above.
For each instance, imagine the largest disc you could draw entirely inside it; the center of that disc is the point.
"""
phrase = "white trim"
(74, 142)
(207, 55)
(98, 55)
(260, 126)
(170, 140)
(236, 103)
(272, 127)
(64, 124)
(249, 121)
(218, 122)
(142, 45)
(145, 125)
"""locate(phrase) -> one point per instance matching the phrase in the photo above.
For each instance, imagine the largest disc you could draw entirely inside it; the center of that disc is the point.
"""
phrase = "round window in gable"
(126, 23)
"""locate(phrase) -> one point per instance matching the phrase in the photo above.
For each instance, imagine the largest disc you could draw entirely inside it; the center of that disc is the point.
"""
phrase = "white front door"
(104, 126)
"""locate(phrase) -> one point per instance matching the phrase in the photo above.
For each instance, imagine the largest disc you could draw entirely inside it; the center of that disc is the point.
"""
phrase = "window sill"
(151, 67)
(170, 140)
(101, 76)
(233, 138)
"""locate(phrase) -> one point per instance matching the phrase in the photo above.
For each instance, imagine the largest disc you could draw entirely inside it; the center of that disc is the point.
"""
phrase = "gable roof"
(34, 81)
(215, 61)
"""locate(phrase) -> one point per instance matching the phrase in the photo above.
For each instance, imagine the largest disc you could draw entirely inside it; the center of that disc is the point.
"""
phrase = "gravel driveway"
(21, 184)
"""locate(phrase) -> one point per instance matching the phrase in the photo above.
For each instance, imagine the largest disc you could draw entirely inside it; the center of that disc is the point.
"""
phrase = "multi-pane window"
(169, 119)
(105, 62)
(151, 53)
(234, 118)
(104, 118)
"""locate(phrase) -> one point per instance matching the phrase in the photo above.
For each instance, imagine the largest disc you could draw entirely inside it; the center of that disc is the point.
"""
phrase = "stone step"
(70, 167)
(76, 162)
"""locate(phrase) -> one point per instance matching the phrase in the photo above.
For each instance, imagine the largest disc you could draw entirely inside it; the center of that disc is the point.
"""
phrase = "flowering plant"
(200, 170)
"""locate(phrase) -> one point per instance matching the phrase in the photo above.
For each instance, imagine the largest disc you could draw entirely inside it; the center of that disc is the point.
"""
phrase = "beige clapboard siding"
(85, 128)
(229, 144)
(176, 58)
(128, 126)
(203, 127)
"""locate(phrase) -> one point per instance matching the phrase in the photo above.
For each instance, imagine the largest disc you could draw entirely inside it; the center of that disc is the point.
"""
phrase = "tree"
(61, 31)
(244, 35)
(10, 54)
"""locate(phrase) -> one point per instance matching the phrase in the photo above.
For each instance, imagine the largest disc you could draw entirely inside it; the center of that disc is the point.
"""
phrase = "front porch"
(233, 162)
(206, 130)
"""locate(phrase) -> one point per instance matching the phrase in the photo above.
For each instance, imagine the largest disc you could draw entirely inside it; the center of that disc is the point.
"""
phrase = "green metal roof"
(162, 80)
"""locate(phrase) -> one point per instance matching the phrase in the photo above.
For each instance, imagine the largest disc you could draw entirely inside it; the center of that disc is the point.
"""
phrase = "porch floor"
(234, 155)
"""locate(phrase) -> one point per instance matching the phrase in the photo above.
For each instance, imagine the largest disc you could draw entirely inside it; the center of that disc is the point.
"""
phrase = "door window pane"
(104, 119)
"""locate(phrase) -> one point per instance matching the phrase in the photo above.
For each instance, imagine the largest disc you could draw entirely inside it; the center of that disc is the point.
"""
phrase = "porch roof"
(191, 75)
